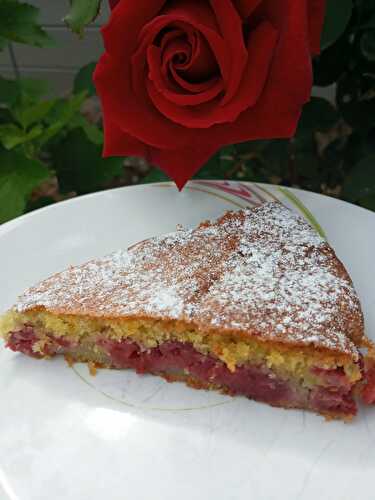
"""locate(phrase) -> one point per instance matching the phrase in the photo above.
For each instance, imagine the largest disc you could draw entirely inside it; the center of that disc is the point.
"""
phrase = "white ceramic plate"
(67, 436)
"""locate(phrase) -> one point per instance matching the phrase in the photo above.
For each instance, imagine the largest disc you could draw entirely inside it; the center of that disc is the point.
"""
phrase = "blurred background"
(57, 64)
(50, 118)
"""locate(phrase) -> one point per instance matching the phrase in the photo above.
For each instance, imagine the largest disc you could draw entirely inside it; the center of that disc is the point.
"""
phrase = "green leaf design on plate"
(150, 408)
(306, 212)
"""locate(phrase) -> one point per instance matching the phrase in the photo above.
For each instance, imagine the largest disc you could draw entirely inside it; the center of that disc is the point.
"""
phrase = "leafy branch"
(19, 23)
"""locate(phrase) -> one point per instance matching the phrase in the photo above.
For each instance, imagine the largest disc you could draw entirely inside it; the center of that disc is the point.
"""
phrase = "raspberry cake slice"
(254, 304)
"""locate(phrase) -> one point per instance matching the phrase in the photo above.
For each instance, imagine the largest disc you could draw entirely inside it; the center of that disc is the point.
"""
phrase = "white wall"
(58, 64)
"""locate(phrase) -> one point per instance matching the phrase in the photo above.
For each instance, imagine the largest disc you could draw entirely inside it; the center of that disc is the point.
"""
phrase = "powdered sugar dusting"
(263, 271)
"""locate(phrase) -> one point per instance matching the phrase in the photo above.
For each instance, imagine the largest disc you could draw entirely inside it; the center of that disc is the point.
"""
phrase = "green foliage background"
(46, 139)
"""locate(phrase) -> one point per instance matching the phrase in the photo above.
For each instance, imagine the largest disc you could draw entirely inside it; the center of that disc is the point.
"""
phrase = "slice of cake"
(255, 304)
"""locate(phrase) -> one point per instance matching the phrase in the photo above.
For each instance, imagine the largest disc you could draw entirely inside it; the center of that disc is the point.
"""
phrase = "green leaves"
(318, 115)
(3, 43)
(359, 185)
(40, 121)
(32, 89)
(12, 91)
(219, 164)
(25, 114)
(82, 13)
(18, 177)
(9, 91)
(93, 133)
(18, 23)
(11, 135)
(337, 18)
(332, 62)
(156, 175)
(32, 128)
(80, 166)
(83, 81)
(62, 115)
(305, 164)
(28, 115)
(368, 45)
(356, 101)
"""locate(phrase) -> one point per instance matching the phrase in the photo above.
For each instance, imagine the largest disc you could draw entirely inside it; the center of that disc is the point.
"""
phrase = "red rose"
(181, 78)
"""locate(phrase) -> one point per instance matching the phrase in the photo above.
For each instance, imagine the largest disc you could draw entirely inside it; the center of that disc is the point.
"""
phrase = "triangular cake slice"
(255, 304)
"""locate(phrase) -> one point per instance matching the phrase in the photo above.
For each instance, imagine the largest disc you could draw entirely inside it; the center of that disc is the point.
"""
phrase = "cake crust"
(262, 272)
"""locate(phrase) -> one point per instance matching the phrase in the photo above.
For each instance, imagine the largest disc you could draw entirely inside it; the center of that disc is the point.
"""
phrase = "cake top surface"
(262, 271)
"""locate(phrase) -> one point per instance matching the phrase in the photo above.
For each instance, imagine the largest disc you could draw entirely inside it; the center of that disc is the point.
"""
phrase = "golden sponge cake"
(254, 304)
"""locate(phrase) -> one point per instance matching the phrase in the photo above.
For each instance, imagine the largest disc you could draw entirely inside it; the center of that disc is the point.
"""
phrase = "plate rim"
(7, 226)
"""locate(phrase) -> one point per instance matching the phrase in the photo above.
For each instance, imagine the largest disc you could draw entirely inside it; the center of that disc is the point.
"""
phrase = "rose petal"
(175, 47)
(215, 41)
(317, 10)
(262, 44)
(200, 63)
(117, 39)
(119, 143)
(130, 111)
(195, 88)
(181, 99)
(292, 69)
(113, 3)
(176, 33)
(261, 47)
(181, 165)
(192, 11)
(231, 27)
(246, 7)
(178, 164)
(202, 117)
(163, 68)
(166, 58)
(198, 13)
(168, 69)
